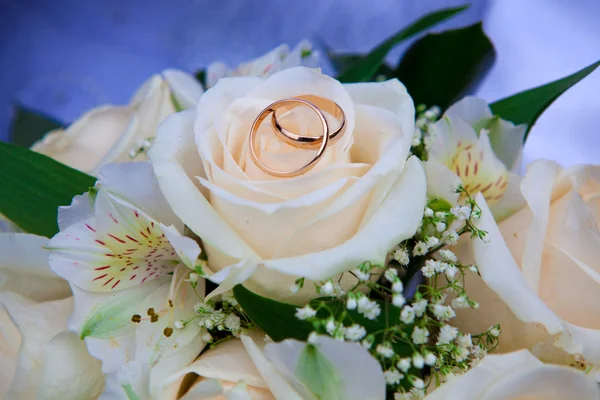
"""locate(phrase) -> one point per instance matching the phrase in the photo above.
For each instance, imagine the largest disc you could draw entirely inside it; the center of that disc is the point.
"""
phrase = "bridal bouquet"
(272, 232)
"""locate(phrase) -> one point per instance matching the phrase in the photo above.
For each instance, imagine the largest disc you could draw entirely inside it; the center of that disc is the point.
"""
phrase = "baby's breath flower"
(460, 302)
(206, 337)
(385, 350)
(420, 307)
(474, 269)
(398, 300)
(429, 269)
(203, 308)
(312, 338)
(428, 212)
(461, 212)
(460, 354)
(393, 376)
(401, 256)
(179, 324)
(418, 383)
(420, 249)
(431, 241)
(367, 342)
(407, 315)
(451, 272)
(397, 286)
(447, 334)
(362, 275)
(229, 298)
(464, 341)
(355, 332)
(442, 313)
(441, 215)
(193, 277)
(370, 309)
(327, 288)
(351, 302)
(430, 359)
(233, 322)
(404, 364)
(305, 312)
(495, 331)
(418, 361)
(421, 335)
(450, 237)
(440, 227)
(448, 255)
(391, 274)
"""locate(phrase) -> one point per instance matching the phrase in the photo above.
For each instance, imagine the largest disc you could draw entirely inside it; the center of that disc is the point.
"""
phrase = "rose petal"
(184, 87)
(368, 244)
(175, 161)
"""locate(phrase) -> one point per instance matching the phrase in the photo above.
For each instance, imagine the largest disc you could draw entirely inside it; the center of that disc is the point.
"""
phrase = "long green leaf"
(364, 69)
(32, 186)
(278, 320)
(29, 126)
(527, 106)
(441, 67)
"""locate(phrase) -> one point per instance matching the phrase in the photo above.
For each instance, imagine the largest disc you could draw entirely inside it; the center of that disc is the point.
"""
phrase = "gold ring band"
(320, 141)
(310, 142)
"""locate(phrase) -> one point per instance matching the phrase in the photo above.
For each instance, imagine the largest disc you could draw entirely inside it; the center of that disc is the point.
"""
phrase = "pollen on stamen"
(150, 311)
(168, 331)
(136, 318)
(153, 318)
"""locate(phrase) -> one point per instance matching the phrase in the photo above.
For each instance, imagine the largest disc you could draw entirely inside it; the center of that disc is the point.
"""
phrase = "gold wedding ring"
(320, 143)
(310, 142)
(271, 109)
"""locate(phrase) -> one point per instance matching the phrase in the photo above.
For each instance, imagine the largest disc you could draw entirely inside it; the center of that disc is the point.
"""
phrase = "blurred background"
(63, 57)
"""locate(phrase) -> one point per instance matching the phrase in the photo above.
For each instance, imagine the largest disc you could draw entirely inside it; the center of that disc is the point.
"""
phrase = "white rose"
(109, 133)
(329, 369)
(541, 268)
(40, 358)
(360, 200)
(518, 376)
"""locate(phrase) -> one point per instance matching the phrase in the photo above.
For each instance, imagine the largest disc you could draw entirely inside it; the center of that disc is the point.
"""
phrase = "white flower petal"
(135, 183)
(512, 199)
(500, 272)
(470, 109)
(81, 208)
(517, 375)
(441, 182)
(84, 144)
(24, 268)
(38, 323)
(69, 372)
(184, 87)
(361, 374)
(280, 388)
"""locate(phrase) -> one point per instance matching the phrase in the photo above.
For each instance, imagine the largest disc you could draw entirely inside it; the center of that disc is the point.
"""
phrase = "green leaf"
(34, 185)
(364, 69)
(278, 320)
(441, 67)
(28, 126)
(527, 106)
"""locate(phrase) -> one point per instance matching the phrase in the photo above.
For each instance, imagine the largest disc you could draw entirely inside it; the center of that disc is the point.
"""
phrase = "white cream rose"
(540, 269)
(360, 200)
(109, 133)
(518, 376)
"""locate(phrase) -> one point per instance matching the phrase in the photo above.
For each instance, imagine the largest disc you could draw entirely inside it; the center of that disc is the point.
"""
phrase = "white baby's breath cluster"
(423, 135)
(410, 333)
(219, 320)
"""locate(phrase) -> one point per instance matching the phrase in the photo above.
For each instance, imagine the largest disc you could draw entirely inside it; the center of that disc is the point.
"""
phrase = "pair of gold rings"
(320, 143)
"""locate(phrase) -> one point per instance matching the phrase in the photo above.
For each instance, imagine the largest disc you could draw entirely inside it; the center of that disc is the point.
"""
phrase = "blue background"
(63, 57)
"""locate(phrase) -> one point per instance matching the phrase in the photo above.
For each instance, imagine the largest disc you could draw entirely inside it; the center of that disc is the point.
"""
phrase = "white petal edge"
(184, 87)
